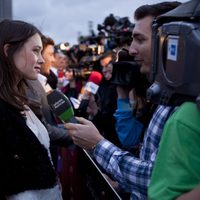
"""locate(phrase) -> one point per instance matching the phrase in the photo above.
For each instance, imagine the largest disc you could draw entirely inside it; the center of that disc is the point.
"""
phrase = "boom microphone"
(61, 106)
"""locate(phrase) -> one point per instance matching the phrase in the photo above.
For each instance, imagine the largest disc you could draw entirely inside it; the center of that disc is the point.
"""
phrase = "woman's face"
(69, 74)
(28, 59)
(107, 71)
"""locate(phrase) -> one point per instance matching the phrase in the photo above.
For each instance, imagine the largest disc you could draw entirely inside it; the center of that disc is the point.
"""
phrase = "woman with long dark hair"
(26, 169)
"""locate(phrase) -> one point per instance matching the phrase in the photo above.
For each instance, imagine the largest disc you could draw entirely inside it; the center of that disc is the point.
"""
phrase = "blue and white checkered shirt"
(133, 174)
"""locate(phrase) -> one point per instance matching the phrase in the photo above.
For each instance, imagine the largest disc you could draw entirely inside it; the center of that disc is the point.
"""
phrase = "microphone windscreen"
(95, 77)
(60, 74)
(61, 106)
(93, 82)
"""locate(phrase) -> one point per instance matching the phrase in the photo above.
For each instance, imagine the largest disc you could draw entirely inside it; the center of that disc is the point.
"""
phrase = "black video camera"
(126, 73)
(176, 62)
(119, 31)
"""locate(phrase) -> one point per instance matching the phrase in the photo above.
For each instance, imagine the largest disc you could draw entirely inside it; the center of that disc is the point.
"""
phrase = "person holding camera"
(176, 170)
(133, 174)
(132, 117)
(133, 112)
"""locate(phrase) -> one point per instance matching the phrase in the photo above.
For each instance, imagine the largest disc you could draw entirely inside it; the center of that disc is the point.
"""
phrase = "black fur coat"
(25, 163)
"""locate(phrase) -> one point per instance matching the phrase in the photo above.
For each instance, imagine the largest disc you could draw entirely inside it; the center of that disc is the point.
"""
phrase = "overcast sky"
(64, 19)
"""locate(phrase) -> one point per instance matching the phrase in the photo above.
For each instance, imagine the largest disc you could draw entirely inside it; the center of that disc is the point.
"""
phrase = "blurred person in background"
(102, 105)
(56, 72)
(61, 64)
(48, 54)
(73, 84)
(103, 61)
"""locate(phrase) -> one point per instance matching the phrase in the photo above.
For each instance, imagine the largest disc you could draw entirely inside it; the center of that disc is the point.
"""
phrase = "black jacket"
(104, 120)
(52, 80)
(25, 163)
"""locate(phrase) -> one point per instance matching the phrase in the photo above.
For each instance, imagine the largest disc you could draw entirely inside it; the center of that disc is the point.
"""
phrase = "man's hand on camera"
(122, 92)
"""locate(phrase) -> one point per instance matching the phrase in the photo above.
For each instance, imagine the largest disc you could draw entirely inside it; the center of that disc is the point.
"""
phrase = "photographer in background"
(103, 61)
(117, 31)
(133, 174)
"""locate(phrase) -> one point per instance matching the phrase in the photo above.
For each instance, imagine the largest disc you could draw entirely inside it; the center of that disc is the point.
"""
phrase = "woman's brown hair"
(14, 34)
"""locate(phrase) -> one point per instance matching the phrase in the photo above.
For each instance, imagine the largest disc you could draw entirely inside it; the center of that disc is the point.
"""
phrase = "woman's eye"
(36, 50)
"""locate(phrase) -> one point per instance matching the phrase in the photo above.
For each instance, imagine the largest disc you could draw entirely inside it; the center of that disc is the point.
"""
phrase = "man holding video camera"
(133, 174)
(176, 170)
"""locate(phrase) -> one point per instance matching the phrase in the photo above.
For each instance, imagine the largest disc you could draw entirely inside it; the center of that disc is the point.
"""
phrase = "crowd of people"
(146, 150)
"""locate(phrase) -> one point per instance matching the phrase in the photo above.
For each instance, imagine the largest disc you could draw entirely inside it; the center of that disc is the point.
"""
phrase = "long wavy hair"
(12, 85)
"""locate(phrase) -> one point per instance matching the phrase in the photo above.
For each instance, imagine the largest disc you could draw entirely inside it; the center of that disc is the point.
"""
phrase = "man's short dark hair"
(47, 41)
(154, 10)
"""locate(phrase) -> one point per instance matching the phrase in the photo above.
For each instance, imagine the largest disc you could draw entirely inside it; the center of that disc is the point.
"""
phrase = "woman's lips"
(38, 69)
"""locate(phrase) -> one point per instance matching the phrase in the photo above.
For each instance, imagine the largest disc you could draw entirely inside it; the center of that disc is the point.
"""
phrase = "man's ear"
(5, 48)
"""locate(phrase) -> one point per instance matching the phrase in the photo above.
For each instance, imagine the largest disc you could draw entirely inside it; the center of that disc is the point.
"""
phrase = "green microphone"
(61, 106)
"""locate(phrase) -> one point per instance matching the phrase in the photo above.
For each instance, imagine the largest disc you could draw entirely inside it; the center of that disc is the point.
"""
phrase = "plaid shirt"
(133, 174)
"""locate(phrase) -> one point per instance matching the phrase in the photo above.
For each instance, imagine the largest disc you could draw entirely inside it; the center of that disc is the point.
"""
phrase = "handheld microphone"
(61, 106)
(93, 82)
(91, 87)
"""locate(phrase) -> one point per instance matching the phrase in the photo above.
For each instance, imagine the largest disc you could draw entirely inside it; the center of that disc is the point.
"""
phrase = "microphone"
(93, 82)
(91, 87)
(61, 78)
(61, 106)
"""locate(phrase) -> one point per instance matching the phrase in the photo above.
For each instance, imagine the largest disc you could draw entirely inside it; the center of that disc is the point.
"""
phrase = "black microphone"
(61, 106)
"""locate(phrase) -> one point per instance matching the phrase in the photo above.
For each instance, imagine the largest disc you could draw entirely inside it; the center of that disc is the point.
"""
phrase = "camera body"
(126, 73)
(176, 62)
(117, 30)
